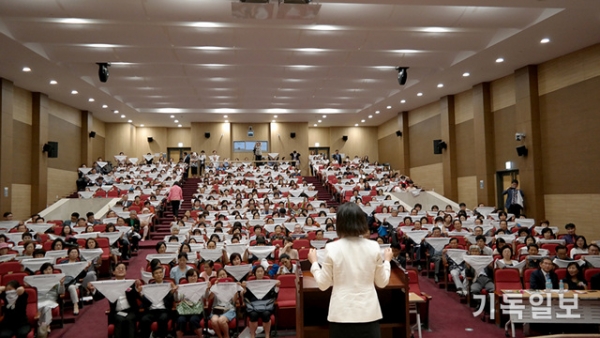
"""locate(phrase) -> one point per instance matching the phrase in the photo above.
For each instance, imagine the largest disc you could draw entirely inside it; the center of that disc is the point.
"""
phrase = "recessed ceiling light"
(273, 121)
(362, 121)
(314, 125)
(498, 60)
(377, 112)
(91, 99)
(179, 125)
(129, 121)
(370, 116)
(225, 116)
(176, 121)
(323, 27)
(402, 101)
(389, 107)
(275, 116)
(53, 82)
(466, 74)
(356, 125)
(74, 92)
(319, 121)
(440, 85)
(544, 40)
(74, 20)
(26, 69)
(436, 30)
(122, 116)
(172, 116)
(226, 121)
(104, 106)
(419, 94)
(141, 125)
(324, 116)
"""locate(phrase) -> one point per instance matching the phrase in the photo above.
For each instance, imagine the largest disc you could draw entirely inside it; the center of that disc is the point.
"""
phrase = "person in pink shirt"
(175, 197)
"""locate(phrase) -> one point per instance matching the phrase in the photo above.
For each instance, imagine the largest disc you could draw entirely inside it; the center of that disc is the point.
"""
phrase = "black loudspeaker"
(438, 146)
(92, 134)
(150, 139)
(207, 135)
(292, 135)
(51, 148)
(398, 133)
(522, 151)
(345, 138)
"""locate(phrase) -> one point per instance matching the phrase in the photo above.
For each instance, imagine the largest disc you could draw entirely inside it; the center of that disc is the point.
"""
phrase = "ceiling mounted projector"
(402, 75)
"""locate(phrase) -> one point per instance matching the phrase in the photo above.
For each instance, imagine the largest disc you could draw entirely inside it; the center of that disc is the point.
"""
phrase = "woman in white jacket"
(351, 265)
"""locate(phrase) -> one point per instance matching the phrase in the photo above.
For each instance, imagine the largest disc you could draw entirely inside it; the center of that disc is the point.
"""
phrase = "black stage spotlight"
(402, 75)
(103, 71)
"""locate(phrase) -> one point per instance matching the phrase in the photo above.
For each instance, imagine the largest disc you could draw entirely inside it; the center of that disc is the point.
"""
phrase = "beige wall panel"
(465, 149)
(21, 160)
(158, 144)
(220, 138)
(389, 127)
(239, 132)
(21, 201)
(429, 177)
(391, 151)
(569, 69)
(22, 105)
(463, 106)
(582, 209)
(502, 92)
(179, 135)
(467, 191)
(64, 112)
(504, 136)
(60, 183)
(282, 143)
(423, 113)
(119, 139)
(361, 141)
(422, 135)
(98, 147)
(99, 127)
(68, 137)
(319, 135)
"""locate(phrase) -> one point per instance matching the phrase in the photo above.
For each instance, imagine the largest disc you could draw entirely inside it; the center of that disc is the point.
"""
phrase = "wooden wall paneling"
(449, 154)
(463, 106)
(220, 138)
(502, 92)
(467, 191)
(321, 136)
(86, 142)
(179, 135)
(21, 201)
(569, 69)
(504, 138)
(60, 184)
(361, 141)
(429, 177)
(69, 141)
(22, 153)
(6, 141)
(158, 144)
(582, 209)
(389, 127)
(405, 142)
(98, 148)
(465, 149)
(39, 161)
(239, 132)
(422, 135)
(485, 134)
(22, 105)
(284, 144)
(423, 113)
(391, 151)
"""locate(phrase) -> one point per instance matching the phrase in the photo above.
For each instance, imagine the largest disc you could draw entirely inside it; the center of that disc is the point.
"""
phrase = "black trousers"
(125, 325)
(258, 158)
(159, 316)
(175, 207)
(354, 330)
(515, 209)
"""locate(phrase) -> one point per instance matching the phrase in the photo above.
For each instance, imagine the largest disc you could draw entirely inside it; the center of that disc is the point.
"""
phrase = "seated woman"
(260, 308)
(49, 300)
(580, 247)
(189, 312)
(506, 260)
(180, 271)
(288, 249)
(223, 310)
(574, 279)
(91, 243)
(14, 309)
(286, 265)
(121, 245)
(208, 272)
(71, 283)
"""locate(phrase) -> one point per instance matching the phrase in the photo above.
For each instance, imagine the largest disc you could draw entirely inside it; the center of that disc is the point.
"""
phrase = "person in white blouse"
(351, 265)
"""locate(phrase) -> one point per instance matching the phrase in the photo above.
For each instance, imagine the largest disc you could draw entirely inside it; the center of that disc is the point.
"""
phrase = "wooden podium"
(313, 305)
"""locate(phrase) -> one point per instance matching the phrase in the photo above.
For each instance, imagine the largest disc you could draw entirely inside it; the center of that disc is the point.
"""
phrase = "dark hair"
(506, 247)
(89, 213)
(121, 263)
(209, 262)
(75, 214)
(191, 272)
(570, 226)
(56, 241)
(545, 230)
(594, 245)
(154, 268)
(87, 243)
(71, 249)
(515, 181)
(259, 267)
(154, 263)
(453, 239)
(284, 256)
(585, 246)
(560, 247)
(14, 284)
(580, 276)
(182, 255)
(351, 221)
(159, 244)
(39, 252)
(480, 238)
(45, 266)
(234, 256)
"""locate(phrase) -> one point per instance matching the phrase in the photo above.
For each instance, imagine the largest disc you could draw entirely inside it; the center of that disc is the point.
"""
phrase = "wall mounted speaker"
(51, 148)
(438, 146)
(345, 138)
(207, 135)
(150, 139)
(92, 134)
(522, 150)
(398, 133)
(292, 135)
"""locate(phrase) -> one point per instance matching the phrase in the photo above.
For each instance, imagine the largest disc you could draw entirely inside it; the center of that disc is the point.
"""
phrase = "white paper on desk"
(318, 244)
(34, 264)
(39, 227)
(478, 262)
(86, 235)
(6, 258)
(54, 254)
(71, 269)
(593, 260)
(163, 258)
(261, 251)
(417, 235)
(112, 236)
(260, 288)
(113, 289)
(224, 291)
(156, 292)
(456, 255)
(193, 292)
(238, 271)
(438, 243)
(561, 263)
(236, 248)
(90, 254)
(211, 254)
(500, 264)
